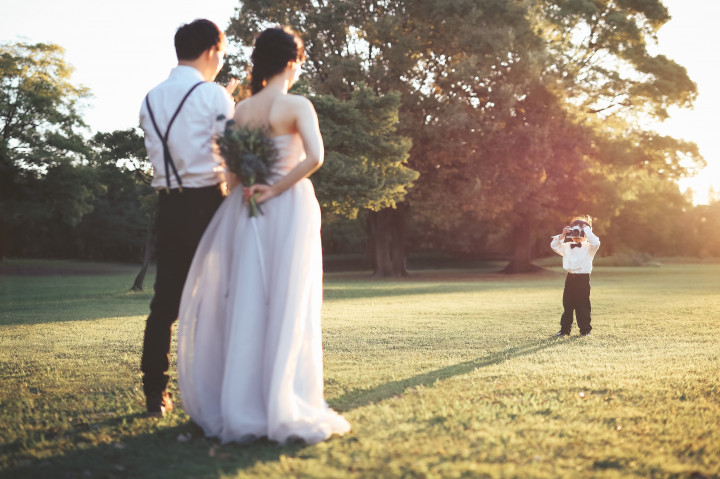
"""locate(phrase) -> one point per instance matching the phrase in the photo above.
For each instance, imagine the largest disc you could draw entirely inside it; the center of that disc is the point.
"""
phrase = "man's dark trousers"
(182, 217)
(576, 297)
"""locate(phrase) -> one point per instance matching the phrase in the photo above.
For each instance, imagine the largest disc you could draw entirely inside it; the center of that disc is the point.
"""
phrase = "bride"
(249, 339)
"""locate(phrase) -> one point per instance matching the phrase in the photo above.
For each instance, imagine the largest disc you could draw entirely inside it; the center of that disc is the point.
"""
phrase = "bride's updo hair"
(274, 48)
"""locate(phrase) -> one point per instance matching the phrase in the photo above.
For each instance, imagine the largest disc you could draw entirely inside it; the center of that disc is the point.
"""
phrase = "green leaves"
(365, 165)
(39, 114)
(41, 148)
(36, 93)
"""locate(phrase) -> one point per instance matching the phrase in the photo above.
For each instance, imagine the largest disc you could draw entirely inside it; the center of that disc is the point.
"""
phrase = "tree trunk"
(398, 254)
(2, 238)
(521, 261)
(387, 242)
(138, 285)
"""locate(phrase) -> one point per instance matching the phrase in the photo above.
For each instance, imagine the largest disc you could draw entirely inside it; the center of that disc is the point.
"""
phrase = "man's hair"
(581, 221)
(194, 38)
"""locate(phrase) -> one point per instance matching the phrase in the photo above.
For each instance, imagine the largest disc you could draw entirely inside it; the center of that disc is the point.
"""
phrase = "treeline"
(474, 128)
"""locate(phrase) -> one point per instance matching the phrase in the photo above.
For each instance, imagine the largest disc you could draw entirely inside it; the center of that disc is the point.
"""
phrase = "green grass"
(447, 374)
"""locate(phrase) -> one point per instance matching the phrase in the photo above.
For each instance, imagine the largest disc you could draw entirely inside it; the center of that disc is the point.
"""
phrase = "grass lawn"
(447, 374)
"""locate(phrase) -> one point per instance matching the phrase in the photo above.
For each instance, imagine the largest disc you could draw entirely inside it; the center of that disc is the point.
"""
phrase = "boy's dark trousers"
(576, 297)
(181, 221)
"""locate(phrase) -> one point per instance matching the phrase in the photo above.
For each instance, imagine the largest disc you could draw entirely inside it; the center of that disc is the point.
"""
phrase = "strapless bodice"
(290, 151)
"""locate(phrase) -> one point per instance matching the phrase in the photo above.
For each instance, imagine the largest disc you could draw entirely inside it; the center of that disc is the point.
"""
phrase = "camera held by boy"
(577, 244)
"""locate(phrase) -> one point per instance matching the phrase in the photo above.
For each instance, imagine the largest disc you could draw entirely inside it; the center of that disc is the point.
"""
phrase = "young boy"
(577, 256)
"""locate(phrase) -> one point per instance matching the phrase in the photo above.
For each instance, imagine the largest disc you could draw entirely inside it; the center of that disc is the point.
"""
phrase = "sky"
(120, 50)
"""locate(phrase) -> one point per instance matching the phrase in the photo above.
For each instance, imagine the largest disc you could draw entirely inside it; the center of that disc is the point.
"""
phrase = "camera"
(575, 231)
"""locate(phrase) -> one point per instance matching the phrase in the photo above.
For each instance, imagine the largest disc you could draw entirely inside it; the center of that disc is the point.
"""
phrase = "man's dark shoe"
(585, 334)
(158, 404)
(560, 333)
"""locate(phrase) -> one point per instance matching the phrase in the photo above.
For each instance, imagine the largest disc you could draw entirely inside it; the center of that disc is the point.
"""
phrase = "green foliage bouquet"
(250, 153)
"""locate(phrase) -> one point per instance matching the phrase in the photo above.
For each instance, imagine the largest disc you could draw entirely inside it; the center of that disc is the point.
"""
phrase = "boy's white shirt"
(577, 260)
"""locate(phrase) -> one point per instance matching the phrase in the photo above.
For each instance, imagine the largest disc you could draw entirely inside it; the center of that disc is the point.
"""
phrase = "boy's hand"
(566, 231)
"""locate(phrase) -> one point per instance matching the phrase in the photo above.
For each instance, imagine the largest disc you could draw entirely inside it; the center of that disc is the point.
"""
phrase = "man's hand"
(232, 85)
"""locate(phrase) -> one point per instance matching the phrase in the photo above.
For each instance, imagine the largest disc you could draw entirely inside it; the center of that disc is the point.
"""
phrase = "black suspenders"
(163, 138)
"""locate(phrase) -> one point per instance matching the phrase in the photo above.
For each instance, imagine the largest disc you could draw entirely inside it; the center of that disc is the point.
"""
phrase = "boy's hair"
(194, 38)
(581, 221)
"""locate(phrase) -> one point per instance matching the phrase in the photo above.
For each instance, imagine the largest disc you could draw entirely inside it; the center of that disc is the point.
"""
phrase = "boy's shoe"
(158, 404)
(585, 334)
(560, 333)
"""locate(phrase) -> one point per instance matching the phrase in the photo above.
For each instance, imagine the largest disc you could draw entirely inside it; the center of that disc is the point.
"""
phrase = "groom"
(180, 117)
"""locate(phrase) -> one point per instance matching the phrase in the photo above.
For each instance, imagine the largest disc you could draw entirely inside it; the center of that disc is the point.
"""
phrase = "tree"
(652, 218)
(602, 61)
(93, 209)
(365, 167)
(702, 224)
(511, 106)
(39, 137)
(563, 136)
(48, 208)
(534, 170)
(442, 57)
(123, 222)
(599, 51)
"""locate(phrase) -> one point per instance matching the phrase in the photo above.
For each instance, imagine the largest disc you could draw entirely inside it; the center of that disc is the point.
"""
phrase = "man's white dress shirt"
(191, 139)
(577, 260)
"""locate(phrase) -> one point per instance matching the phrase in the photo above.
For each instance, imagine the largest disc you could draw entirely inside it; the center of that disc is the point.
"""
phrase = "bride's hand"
(232, 85)
(263, 192)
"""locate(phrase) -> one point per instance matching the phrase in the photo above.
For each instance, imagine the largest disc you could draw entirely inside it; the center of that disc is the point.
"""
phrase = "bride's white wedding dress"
(249, 343)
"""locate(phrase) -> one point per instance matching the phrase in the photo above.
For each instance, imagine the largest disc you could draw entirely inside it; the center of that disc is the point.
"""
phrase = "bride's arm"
(232, 180)
(306, 122)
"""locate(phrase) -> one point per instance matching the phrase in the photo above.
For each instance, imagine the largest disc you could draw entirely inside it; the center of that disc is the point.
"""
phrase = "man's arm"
(223, 109)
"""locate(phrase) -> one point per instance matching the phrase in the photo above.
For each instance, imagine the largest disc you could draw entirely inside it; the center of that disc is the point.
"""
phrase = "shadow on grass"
(362, 397)
(179, 451)
(56, 312)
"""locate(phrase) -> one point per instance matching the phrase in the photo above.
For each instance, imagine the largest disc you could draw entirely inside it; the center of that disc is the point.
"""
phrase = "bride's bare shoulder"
(243, 110)
(244, 104)
(290, 100)
(297, 105)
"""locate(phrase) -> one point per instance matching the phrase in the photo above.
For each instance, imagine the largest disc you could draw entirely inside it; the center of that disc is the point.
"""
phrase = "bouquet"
(250, 153)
